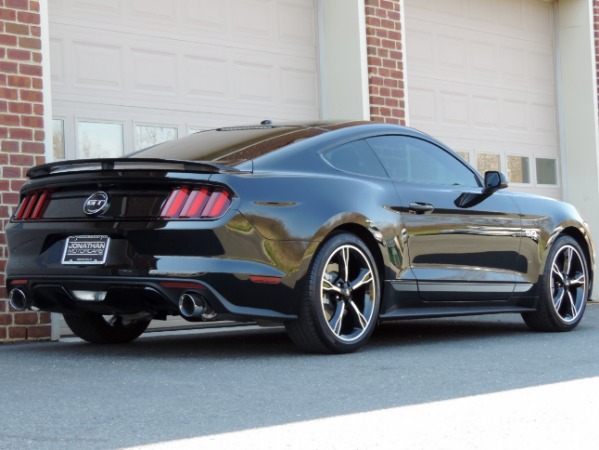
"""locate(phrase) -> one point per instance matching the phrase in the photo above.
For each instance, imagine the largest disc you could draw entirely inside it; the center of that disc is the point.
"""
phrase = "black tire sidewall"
(546, 296)
(314, 286)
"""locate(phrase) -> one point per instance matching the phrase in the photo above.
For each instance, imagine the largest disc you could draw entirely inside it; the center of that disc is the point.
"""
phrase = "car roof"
(236, 144)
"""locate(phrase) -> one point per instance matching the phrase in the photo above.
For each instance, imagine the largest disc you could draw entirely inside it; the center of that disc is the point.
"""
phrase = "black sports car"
(326, 228)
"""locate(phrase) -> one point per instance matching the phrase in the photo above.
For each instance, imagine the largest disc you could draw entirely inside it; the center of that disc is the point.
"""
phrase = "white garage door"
(129, 74)
(481, 77)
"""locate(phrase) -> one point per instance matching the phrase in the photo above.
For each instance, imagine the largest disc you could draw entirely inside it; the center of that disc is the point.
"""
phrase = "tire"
(99, 329)
(564, 288)
(341, 299)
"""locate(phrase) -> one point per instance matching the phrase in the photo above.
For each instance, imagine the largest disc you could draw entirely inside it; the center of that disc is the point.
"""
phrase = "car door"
(463, 241)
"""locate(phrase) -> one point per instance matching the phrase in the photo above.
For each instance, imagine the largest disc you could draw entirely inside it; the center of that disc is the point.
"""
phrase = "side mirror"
(495, 180)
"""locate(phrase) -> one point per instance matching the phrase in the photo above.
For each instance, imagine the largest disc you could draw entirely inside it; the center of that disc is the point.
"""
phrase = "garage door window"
(58, 139)
(99, 140)
(546, 171)
(488, 161)
(518, 169)
(148, 135)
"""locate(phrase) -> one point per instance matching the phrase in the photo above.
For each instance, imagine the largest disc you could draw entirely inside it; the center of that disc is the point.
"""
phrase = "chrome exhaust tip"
(18, 300)
(194, 307)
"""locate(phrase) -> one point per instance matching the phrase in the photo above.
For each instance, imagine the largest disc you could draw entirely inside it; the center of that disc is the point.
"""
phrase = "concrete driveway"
(478, 382)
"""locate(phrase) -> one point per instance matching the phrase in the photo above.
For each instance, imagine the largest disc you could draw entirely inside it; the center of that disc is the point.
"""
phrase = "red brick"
(9, 15)
(6, 319)
(26, 318)
(17, 332)
(18, 159)
(18, 55)
(23, 134)
(16, 185)
(39, 332)
(17, 4)
(3, 106)
(2, 334)
(11, 172)
(32, 121)
(9, 120)
(44, 317)
(35, 70)
(20, 108)
(33, 147)
(33, 43)
(19, 81)
(12, 198)
(16, 28)
(27, 17)
(8, 39)
(32, 96)
(7, 66)
(3, 305)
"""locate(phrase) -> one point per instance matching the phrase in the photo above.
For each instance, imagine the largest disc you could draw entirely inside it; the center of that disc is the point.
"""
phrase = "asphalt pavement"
(476, 382)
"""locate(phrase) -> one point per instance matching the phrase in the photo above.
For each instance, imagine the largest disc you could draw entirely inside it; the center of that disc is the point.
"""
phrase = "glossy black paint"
(440, 249)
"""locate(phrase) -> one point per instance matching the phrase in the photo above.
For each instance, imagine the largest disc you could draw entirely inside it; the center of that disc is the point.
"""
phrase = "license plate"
(85, 250)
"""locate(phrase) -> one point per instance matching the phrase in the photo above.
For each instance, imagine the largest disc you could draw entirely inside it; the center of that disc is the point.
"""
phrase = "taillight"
(196, 203)
(33, 206)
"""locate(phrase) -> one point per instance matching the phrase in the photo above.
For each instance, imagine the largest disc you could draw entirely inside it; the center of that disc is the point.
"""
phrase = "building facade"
(510, 84)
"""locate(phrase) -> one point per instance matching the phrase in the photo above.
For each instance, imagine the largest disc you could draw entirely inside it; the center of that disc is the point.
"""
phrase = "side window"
(355, 157)
(417, 161)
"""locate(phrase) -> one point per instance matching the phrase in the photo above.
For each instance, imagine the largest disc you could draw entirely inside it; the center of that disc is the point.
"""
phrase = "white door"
(481, 77)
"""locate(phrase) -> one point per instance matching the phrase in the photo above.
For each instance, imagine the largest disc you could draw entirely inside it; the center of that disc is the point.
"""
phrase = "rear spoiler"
(137, 164)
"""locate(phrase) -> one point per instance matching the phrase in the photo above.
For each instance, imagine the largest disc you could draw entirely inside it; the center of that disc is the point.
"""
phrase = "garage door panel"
(481, 76)
(288, 27)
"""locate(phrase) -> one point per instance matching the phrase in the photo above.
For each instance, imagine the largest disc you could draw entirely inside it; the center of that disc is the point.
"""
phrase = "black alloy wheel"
(565, 289)
(342, 298)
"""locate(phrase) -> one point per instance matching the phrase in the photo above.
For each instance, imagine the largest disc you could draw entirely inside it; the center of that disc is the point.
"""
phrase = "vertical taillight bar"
(196, 203)
(33, 206)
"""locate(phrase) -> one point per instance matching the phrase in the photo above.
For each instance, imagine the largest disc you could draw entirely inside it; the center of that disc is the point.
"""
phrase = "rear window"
(231, 145)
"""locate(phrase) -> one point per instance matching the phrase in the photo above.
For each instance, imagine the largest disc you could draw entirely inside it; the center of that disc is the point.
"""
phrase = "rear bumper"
(158, 297)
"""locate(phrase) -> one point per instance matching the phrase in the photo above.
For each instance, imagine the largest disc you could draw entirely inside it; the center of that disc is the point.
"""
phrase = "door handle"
(420, 208)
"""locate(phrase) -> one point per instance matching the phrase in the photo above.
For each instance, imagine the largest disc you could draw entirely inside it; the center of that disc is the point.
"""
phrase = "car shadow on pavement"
(253, 341)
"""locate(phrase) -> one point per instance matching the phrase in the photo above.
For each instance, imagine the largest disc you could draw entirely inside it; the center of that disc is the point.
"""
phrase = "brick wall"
(386, 73)
(21, 138)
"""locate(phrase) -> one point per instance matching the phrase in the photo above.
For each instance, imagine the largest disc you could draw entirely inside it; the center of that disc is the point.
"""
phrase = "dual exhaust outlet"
(192, 306)
(18, 300)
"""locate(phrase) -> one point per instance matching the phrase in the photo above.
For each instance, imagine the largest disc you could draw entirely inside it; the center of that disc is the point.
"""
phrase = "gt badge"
(96, 204)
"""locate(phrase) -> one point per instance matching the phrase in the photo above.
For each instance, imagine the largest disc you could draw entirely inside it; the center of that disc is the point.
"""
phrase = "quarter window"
(415, 160)
(355, 157)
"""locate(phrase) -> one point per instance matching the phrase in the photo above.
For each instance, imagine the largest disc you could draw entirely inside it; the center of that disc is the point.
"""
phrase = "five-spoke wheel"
(341, 300)
(565, 288)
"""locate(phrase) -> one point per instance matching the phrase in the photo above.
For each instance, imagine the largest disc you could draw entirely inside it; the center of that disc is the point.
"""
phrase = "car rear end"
(138, 237)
